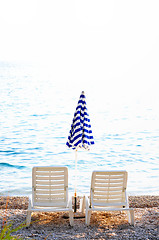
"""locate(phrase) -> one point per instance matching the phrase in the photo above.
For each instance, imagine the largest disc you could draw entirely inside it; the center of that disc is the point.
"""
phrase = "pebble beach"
(111, 225)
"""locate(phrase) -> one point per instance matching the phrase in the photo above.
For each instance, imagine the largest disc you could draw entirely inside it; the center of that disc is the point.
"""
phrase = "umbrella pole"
(75, 194)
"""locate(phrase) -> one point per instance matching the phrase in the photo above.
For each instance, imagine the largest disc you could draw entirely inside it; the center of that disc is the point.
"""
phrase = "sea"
(37, 105)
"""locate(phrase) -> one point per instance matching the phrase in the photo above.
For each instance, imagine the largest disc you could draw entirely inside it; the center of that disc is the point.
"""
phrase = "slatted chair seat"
(108, 193)
(49, 191)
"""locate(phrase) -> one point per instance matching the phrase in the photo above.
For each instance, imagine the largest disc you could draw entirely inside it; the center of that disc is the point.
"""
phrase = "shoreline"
(111, 225)
(138, 201)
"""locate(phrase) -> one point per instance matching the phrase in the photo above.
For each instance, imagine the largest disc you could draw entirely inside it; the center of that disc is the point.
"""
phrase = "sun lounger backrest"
(50, 186)
(108, 188)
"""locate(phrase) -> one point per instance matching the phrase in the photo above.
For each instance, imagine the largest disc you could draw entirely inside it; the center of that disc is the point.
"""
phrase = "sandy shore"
(113, 225)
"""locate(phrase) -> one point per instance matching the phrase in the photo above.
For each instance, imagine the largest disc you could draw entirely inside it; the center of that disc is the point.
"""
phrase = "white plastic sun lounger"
(49, 191)
(108, 193)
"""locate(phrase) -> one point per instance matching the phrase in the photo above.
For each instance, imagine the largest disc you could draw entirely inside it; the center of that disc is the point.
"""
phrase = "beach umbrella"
(80, 135)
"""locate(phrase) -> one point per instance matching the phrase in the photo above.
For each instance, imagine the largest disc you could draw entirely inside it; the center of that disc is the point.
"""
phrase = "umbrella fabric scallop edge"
(80, 135)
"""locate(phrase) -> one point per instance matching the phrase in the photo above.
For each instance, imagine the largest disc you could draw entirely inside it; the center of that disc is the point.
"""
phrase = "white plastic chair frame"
(49, 191)
(108, 193)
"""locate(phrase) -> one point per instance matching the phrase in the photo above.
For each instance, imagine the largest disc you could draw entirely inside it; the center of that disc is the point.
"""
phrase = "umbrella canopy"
(80, 134)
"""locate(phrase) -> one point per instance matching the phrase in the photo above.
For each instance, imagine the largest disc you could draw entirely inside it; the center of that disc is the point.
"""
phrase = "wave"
(10, 152)
(10, 165)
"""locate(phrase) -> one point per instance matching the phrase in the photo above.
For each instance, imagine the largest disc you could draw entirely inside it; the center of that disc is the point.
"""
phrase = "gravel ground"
(112, 225)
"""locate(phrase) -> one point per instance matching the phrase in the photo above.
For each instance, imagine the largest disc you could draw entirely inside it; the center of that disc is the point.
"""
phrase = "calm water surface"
(36, 111)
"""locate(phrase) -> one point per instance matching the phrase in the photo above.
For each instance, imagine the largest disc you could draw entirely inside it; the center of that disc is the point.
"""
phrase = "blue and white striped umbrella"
(80, 134)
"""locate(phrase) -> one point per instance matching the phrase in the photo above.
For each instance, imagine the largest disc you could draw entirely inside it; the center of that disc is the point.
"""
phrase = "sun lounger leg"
(128, 216)
(71, 217)
(88, 216)
(131, 216)
(28, 219)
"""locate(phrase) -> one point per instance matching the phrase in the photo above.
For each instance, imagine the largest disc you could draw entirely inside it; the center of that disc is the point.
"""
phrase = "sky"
(98, 41)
